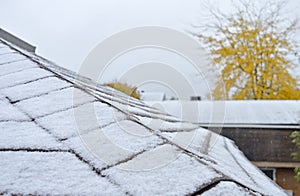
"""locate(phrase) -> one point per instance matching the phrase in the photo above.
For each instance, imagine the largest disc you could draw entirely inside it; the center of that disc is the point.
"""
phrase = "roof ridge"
(16, 41)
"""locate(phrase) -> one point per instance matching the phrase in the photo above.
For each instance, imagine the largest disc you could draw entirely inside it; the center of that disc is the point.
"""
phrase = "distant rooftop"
(153, 96)
(247, 113)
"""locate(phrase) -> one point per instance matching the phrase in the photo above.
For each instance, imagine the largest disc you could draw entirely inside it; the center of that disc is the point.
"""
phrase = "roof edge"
(249, 125)
(16, 41)
(272, 164)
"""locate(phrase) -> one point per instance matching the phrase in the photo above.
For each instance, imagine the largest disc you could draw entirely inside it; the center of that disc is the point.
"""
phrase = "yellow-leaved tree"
(254, 50)
(125, 88)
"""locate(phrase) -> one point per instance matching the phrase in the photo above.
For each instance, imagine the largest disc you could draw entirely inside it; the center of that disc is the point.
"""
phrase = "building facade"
(269, 149)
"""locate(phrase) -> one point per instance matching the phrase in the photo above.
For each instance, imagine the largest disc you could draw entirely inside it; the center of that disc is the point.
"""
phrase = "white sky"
(65, 31)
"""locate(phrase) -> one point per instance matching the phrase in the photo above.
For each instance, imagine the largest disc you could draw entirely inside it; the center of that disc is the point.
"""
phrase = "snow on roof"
(249, 113)
(153, 96)
(41, 151)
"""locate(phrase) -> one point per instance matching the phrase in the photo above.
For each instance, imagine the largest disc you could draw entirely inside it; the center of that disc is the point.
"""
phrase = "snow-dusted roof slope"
(134, 149)
(152, 96)
(248, 113)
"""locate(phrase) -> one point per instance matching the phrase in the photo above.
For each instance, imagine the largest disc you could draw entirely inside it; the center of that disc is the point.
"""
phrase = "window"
(270, 172)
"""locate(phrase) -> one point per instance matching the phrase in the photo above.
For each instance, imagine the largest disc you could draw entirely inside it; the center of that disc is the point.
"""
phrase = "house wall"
(285, 179)
(269, 145)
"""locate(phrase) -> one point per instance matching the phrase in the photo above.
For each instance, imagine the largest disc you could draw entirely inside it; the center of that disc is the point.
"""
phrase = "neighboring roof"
(42, 153)
(246, 113)
(153, 96)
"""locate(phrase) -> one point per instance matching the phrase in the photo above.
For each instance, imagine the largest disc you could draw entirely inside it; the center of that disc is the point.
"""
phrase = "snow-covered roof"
(153, 96)
(42, 152)
(246, 113)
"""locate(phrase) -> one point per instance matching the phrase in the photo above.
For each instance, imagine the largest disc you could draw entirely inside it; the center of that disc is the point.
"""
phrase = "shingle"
(8, 57)
(120, 143)
(22, 77)
(79, 147)
(4, 48)
(54, 102)
(52, 172)
(14, 135)
(36, 88)
(227, 188)
(131, 136)
(162, 170)
(262, 184)
(64, 124)
(10, 112)
(16, 66)
(225, 156)
(2, 97)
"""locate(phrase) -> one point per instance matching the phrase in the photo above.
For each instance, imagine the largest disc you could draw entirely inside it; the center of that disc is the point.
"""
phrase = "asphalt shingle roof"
(41, 151)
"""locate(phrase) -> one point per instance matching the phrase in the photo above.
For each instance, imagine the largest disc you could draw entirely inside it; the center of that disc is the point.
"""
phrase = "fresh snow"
(16, 66)
(20, 135)
(7, 57)
(180, 174)
(10, 112)
(228, 188)
(60, 137)
(73, 121)
(262, 112)
(121, 144)
(163, 125)
(78, 146)
(22, 77)
(139, 112)
(40, 87)
(52, 172)
(130, 136)
(4, 49)
(54, 102)
(225, 156)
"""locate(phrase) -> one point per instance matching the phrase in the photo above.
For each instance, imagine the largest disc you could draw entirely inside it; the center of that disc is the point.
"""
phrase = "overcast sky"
(65, 31)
